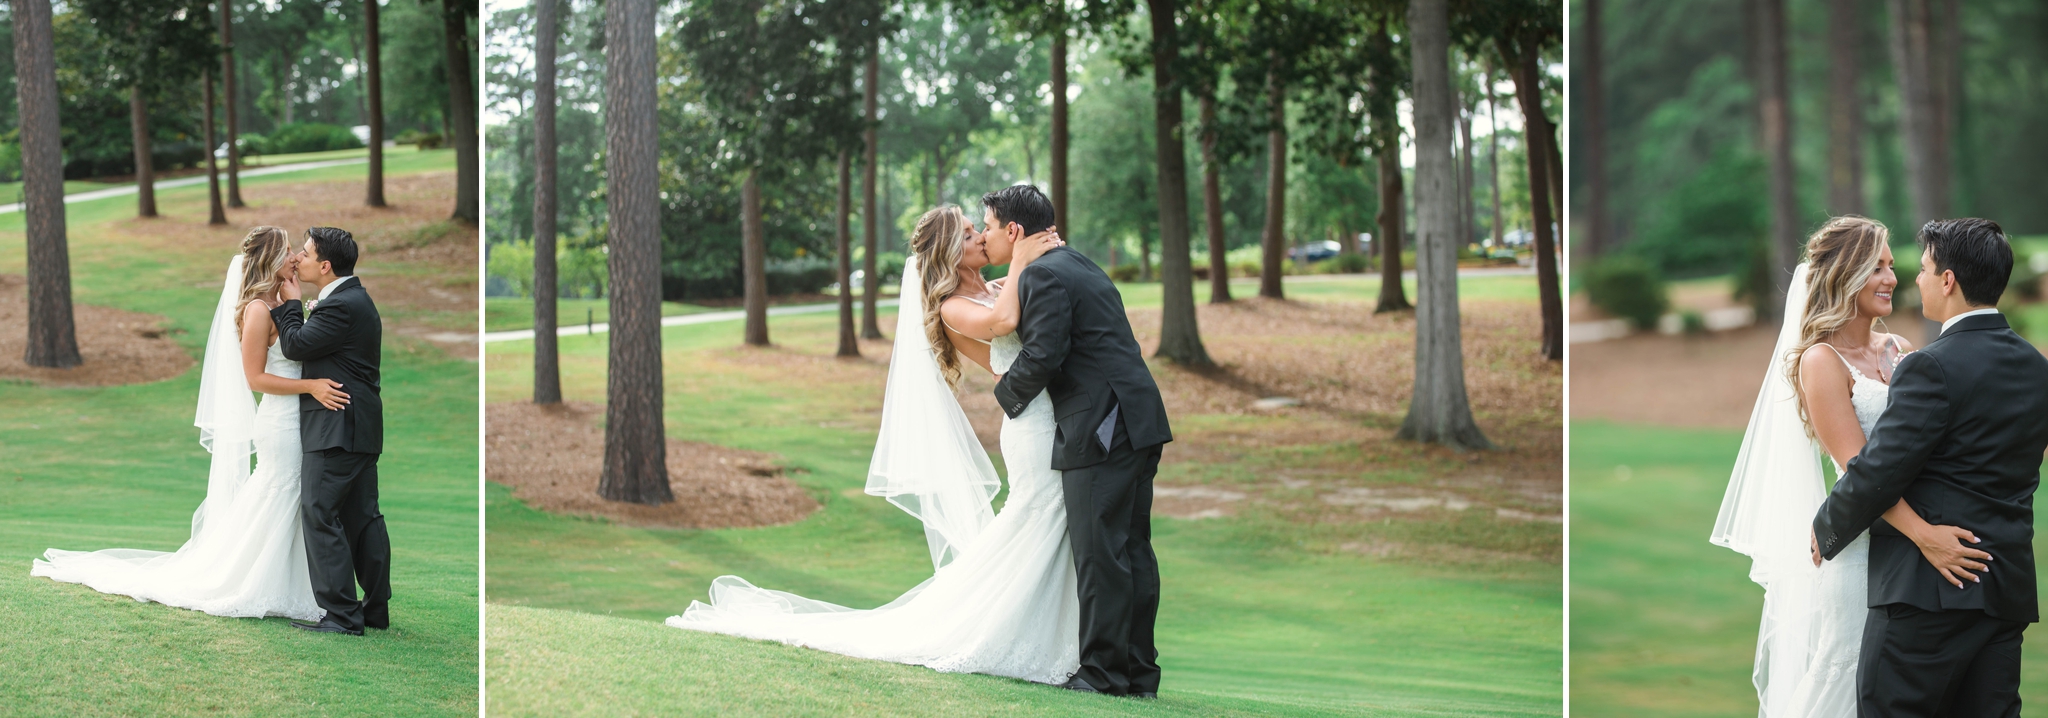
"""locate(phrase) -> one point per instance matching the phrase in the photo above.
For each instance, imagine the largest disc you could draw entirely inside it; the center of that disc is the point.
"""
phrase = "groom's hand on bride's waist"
(1813, 547)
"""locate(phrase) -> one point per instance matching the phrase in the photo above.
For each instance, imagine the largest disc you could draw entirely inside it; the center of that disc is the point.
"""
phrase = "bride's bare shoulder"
(1821, 361)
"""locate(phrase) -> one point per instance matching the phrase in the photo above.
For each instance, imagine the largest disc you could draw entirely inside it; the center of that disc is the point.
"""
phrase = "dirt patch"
(1706, 382)
(552, 456)
(118, 347)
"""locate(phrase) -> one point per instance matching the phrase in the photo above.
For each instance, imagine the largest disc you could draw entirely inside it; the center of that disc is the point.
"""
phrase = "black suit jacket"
(342, 340)
(1078, 347)
(1961, 442)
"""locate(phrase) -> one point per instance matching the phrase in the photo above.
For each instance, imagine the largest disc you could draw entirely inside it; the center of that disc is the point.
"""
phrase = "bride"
(246, 557)
(1002, 597)
(1828, 381)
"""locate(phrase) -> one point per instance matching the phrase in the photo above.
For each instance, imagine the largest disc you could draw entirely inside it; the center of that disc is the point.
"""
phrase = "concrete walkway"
(189, 181)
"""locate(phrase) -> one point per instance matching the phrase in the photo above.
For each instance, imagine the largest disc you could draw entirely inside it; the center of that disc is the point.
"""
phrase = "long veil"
(927, 460)
(1768, 512)
(227, 408)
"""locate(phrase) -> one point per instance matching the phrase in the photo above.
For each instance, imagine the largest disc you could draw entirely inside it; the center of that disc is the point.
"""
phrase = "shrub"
(2025, 283)
(1124, 273)
(10, 162)
(431, 141)
(1347, 264)
(1244, 269)
(310, 137)
(1627, 286)
(804, 275)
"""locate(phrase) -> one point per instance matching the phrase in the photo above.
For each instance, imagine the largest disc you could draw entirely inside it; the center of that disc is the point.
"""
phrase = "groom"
(1961, 442)
(340, 339)
(1111, 427)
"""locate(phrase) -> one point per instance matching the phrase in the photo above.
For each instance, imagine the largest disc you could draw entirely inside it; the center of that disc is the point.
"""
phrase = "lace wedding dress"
(247, 556)
(1828, 688)
(1002, 600)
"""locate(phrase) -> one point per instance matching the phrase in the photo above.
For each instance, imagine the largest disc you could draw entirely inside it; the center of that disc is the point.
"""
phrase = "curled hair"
(937, 242)
(1841, 258)
(264, 251)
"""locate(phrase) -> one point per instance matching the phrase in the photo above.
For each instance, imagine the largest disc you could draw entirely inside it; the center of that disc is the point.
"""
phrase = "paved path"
(189, 181)
(567, 330)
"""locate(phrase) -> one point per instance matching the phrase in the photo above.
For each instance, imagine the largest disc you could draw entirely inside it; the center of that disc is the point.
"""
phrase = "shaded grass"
(90, 468)
(507, 313)
(1664, 623)
(1261, 615)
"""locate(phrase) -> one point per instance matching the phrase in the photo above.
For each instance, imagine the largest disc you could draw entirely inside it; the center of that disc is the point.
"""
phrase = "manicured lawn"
(1261, 616)
(89, 468)
(1664, 623)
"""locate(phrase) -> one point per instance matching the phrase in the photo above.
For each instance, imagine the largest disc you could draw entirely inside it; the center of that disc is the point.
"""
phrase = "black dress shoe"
(327, 625)
(1076, 684)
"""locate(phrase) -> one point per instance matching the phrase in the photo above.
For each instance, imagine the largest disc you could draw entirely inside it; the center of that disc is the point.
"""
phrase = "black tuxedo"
(346, 542)
(1961, 441)
(1078, 348)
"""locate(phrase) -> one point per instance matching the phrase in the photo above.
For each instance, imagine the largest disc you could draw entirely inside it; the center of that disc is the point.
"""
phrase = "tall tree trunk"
(227, 87)
(635, 445)
(215, 213)
(1439, 410)
(52, 334)
(1596, 135)
(547, 367)
(1468, 225)
(1775, 118)
(1058, 185)
(871, 287)
(373, 63)
(1913, 50)
(1493, 158)
(1845, 108)
(1275, 240)
(1212, 204)
(1393, 296)
(754, 259)
(1180, 338)
(1529, 91)
(145, 169)
(462, 108)
(849, 342)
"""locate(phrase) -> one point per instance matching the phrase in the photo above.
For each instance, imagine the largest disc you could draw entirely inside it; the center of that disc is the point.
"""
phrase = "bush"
(1347, 264)
(580, 272)
(10, 162)
(1627, 286)
(431, 141)
(253, 144)
(2025, 284)
(804, 275)
(310, 137)
(1124, 273)
(1244, 269)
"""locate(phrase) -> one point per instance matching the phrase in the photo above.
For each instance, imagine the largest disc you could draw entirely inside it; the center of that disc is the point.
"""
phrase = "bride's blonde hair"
(937, 243)
(264, 251)
(1841, 259)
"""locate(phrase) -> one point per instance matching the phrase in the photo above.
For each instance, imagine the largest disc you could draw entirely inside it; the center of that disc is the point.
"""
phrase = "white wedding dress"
(1002, 600)
(1841, 604)
(246, 556)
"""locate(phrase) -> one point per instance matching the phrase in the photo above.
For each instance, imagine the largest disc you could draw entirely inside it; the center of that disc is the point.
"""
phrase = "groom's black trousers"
(1962, 663)
(345, 538)
(1109, 524)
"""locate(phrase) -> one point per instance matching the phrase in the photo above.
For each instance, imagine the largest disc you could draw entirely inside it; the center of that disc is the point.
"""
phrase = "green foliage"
(1124, 272)
(1348, 264)
(307, 137)
(10, 162)
(1628, 287)
(1712, 223)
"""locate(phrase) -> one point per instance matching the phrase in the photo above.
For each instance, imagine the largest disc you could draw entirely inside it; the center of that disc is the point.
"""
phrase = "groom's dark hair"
(1022, 204)
(1976, 250)
(336, 247)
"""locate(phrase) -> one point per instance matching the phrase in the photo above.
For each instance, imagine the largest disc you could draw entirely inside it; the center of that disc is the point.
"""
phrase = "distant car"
(362, 133)
(1315, 251)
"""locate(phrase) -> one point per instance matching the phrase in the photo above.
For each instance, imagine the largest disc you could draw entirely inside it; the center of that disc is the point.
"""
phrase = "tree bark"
(1180, 338)
(1596, 135)
(1529, 91)
(215, 213)
(635, 447)
(1468, 223)
(1438, 410)
(373, 63)
(1493, 158)
(1212, 204)
(754, 259)
(849, 342)
(1275, 240)
(462, 108)
(1393, 212)
(1913, 40)
(52, 334)
(145, 170)
(227, 87)
(1845, 108)
(871, 287)
(1775, 118)
(547, 367)
(1058, 185)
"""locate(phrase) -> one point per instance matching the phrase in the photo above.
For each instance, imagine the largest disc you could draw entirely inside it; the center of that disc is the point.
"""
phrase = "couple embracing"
(1062, 586)
(1905, 590)
(294, 534)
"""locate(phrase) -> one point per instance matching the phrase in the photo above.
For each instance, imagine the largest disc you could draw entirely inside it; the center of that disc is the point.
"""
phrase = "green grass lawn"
(90, 468)
(1258, 616)
(1664, 623)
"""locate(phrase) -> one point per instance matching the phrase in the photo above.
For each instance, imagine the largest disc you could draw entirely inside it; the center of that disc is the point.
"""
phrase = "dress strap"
(1838, 355)
(956, 330)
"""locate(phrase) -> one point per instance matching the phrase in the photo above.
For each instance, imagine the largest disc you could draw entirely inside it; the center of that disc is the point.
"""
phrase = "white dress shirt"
(331, 286)
(1959, 317)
